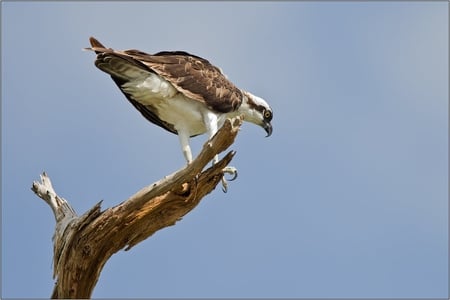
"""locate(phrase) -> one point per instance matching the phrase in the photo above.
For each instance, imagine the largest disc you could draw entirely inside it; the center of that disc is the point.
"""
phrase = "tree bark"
(83, 244)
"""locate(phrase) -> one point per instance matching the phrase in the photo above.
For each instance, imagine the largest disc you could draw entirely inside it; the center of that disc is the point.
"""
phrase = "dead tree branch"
(83, 244)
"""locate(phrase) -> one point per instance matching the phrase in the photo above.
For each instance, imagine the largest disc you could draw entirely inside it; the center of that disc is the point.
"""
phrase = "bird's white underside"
(189, 117)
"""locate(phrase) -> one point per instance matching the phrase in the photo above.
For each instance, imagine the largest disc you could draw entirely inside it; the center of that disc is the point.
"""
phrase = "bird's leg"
(211, 122)
(184, 141)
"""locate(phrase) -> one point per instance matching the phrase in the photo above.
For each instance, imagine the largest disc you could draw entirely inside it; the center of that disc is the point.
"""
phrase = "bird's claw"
(232, 171)
(228, 170)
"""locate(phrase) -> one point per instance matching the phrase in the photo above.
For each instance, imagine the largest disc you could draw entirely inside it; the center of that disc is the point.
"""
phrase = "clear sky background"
(347, 198)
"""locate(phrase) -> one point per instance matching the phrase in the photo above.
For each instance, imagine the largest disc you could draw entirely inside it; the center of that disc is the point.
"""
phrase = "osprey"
(180, 92)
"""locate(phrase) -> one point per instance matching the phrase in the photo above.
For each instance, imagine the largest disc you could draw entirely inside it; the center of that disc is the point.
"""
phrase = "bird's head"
(257, 111)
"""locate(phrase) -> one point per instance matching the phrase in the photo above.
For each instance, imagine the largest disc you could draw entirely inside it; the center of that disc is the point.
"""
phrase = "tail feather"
(95, 43)
(96, 46)
(118, 65)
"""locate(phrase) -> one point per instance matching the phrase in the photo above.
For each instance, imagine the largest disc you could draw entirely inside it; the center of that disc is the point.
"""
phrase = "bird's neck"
(246, 108)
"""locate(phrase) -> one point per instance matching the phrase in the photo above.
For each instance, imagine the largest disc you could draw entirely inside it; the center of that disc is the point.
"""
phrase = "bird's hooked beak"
(268, 128)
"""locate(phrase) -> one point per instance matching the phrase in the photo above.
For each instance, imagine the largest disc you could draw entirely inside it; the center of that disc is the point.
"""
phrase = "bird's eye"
(268, 115)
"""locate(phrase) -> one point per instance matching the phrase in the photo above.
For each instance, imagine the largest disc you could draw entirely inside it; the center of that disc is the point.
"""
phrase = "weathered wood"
(83, 244)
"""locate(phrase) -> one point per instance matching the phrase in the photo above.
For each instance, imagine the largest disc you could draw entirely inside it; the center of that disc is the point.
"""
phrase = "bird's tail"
(96, 46)
(95, 43)
(118, 64)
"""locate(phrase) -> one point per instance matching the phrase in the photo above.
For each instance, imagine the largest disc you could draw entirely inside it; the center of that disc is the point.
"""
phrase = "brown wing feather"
(191, 75)
(194, 76)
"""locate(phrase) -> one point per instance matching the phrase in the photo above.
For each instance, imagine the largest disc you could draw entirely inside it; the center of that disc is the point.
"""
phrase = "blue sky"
(347, 198)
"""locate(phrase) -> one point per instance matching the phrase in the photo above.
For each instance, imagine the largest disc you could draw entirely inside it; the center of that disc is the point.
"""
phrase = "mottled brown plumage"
(186, 72)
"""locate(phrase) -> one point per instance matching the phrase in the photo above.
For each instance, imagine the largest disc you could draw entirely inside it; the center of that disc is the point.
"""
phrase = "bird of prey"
(181, 92)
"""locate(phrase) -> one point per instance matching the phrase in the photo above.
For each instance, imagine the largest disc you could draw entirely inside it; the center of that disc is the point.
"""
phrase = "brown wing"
(193, 76)
(121, 68)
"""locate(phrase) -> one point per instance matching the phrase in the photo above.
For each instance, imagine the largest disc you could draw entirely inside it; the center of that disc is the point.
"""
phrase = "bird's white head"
(257, 111)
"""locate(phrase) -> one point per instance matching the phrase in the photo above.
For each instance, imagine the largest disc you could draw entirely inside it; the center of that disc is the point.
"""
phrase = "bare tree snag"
(83, 244)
